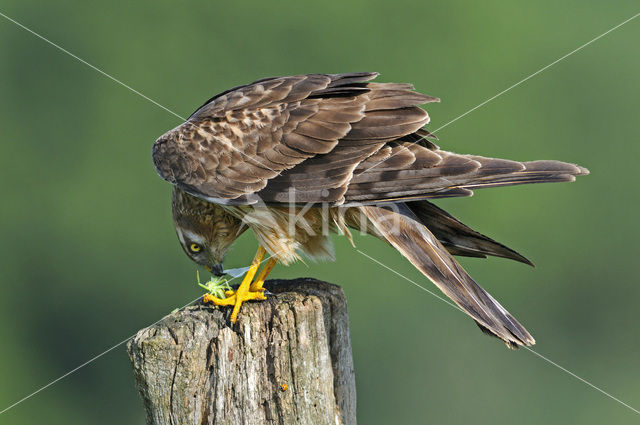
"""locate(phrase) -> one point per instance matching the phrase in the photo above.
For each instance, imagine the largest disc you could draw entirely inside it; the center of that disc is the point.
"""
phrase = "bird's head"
(206, 231)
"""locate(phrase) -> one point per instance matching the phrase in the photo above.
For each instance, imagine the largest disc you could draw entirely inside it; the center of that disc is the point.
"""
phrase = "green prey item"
(215, 286)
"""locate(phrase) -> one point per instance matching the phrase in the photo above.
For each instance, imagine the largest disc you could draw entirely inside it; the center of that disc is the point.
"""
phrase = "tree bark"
(286, 361)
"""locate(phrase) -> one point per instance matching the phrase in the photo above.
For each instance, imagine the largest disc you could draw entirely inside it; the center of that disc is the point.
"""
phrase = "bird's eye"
(194, 247)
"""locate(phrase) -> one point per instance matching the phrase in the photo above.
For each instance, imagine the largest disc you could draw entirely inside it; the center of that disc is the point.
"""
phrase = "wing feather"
(334, 138)
(416, 243)
(307, 133)
(380, 179)
(458, 238)
(239, 140)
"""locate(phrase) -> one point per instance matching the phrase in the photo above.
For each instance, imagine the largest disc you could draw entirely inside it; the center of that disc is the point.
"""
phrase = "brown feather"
(339, 139)
(458, 238)
(252, 134)
(426, 253)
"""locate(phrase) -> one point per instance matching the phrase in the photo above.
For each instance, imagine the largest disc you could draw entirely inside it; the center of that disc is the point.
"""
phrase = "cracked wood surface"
(286, 361)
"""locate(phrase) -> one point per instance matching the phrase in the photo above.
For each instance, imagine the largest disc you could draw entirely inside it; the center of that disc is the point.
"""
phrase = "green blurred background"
(88, 254)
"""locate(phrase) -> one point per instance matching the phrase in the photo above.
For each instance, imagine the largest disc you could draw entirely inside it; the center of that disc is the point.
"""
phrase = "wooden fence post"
(286, 361)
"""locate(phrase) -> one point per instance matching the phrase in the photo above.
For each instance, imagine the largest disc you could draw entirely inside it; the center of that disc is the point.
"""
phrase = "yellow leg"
(259, 281)
(245, 291)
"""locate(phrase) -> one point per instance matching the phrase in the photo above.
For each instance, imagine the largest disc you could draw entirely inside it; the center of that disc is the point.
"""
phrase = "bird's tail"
(402, 229)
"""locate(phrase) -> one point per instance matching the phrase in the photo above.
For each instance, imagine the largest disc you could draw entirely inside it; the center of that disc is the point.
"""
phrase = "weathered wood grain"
(286, 361)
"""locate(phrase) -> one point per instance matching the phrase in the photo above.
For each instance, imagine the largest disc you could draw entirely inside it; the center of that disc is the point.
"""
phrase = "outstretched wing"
(422, 249)
(242, 141)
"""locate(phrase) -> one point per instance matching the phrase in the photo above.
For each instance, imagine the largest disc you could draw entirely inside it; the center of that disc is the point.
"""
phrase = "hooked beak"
(215, 269)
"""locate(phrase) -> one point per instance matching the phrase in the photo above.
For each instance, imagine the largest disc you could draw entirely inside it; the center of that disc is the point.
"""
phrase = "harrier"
(293, 158)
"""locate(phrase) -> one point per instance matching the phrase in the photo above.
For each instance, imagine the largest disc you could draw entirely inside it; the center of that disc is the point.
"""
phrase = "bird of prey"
(293, 158)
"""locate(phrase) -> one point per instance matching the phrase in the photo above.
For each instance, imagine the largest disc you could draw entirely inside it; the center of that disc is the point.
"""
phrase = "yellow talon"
(247, 290)
(208, 298)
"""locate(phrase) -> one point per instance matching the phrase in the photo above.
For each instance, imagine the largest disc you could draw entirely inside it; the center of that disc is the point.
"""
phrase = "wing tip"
(521, 259)
(512, 341)
(514, 345)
